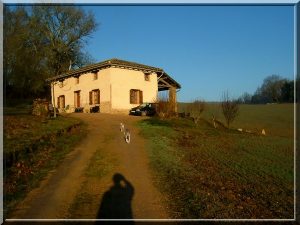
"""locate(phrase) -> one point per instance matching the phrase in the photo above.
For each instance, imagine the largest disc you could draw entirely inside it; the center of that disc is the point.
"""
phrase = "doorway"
(77, 99)
(61, 102)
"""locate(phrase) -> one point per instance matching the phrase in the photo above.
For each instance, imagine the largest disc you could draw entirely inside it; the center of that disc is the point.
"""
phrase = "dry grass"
(32, 147)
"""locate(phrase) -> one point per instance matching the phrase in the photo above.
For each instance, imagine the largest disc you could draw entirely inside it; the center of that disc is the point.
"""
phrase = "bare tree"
(271, 87)
(50, 38)
(230, 108)
(65, 30)
(245, 98)
(195, 109)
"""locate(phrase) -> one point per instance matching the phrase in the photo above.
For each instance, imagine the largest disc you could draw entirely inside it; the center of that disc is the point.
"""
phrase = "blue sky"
(207, 49)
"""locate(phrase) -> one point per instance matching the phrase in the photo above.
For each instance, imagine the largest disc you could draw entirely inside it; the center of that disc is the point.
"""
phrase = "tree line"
(42, 41)
(274, 89)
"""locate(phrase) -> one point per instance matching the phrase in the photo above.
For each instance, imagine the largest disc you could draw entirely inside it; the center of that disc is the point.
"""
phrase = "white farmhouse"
(114, 85)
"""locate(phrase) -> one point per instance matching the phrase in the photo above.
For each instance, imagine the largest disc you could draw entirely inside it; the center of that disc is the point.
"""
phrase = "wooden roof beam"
(166, 83)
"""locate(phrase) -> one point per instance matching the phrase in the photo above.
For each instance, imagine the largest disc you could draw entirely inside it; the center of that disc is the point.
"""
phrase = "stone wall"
(40, 107)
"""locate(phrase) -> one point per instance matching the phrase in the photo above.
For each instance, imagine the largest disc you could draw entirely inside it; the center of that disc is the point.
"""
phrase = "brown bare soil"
(60, 189)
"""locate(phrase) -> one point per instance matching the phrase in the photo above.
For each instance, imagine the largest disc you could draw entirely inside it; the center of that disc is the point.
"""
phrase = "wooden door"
(58, 102)
(62, 100)
(77, 99)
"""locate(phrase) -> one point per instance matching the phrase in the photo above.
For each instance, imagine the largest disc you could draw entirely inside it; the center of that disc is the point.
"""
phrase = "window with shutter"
(141, 97)
(132, 100)
(94, 96)
(98, 96)
(136, 96)
(91, 97)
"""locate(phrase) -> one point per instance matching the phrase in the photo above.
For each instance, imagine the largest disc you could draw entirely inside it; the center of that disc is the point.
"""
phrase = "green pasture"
(221, 173)
(275, 119)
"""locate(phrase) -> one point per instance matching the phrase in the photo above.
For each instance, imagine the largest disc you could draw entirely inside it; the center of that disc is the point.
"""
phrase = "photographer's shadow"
(116, 202)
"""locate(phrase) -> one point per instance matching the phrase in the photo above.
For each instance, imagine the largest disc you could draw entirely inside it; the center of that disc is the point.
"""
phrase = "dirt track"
(57, 192)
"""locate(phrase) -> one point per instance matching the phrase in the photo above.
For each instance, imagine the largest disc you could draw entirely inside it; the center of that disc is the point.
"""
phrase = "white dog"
(122, 127)
(127, 136)
(126, 133)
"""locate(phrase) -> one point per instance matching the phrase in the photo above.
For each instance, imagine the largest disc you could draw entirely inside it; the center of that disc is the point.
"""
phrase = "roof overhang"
(165, 82)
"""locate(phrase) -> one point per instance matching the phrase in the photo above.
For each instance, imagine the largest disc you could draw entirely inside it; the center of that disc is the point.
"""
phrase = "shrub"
(230, 108)
(195, 109)
(164, 108)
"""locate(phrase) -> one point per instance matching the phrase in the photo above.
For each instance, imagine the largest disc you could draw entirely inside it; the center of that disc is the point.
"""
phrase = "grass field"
(276, 119)
(220, 173)
(32, 147)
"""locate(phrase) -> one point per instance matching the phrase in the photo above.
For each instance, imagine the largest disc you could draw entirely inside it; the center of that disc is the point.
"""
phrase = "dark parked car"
(146, 109)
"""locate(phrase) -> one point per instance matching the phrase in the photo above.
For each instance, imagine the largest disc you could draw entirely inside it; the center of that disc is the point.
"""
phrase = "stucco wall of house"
(114, 85)
(85, 85)
(122, 80)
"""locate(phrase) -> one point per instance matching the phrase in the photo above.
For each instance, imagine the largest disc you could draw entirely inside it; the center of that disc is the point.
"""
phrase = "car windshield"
(142, 105)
